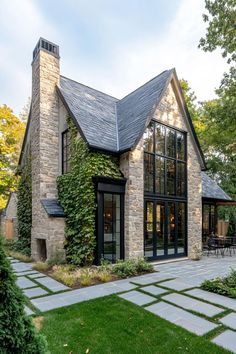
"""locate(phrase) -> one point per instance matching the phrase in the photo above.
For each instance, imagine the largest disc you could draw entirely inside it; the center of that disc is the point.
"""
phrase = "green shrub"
(223, 286)
(17, 333)
(58, 259)
(131, 267)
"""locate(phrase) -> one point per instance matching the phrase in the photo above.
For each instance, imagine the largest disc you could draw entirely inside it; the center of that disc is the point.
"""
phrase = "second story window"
(65, 152)
(164, 160)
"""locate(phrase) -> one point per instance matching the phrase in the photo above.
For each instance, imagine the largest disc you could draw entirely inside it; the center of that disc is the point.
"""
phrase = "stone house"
(156, 209)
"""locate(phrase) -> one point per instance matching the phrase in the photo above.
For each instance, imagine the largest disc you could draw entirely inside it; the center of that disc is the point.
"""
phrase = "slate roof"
(134, 110)
(108, 123)
(94, 112)
(52, 207)
(210, 189)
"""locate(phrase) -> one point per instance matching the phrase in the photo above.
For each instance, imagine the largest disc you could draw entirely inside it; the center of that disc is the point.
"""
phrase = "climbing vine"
(77, 196)
(24, 208)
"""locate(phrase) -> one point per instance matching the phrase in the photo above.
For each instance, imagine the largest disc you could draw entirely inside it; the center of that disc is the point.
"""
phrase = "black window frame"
(65, 147)
(166, 157)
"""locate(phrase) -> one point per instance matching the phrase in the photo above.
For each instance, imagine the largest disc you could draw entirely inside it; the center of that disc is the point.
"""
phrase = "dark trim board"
(107, 185)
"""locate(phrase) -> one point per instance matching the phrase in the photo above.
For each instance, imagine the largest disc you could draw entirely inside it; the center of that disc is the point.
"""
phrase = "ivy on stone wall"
(77, 196)
(24, 208)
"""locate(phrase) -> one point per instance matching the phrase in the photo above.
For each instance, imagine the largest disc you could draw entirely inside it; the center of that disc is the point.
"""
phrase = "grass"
(20, 256)
(224, 286)
(111, 325)
(41, 266)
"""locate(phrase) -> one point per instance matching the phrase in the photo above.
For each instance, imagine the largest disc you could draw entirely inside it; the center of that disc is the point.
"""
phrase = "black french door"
(165, 229)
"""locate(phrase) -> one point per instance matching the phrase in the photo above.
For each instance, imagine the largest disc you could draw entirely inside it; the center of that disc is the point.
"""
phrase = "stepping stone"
(35, 292)
(229, 320)
(37, 275)
(68, 298)
(28, 311)
(191, 304)
(154, 290)
(214, 298)
(227, 340)
(176, 284)
(20, 274)
(137, 298)
(150, 278)
(21, 267)
(25, 283)
(52, 284)
(182, 318)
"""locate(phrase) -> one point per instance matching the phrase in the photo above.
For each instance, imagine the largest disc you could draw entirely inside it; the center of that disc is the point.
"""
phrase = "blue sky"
(112, 45)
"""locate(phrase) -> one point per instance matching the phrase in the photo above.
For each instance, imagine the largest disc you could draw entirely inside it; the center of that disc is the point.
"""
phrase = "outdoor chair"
(213, 245)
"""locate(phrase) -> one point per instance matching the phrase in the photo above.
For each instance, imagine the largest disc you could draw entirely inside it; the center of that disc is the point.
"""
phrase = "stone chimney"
(44, 142)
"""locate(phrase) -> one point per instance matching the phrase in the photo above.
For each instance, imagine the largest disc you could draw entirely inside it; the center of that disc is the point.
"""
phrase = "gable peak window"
(164, 160)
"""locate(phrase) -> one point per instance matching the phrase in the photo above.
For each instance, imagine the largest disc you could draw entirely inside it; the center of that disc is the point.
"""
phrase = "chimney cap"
(46, 46)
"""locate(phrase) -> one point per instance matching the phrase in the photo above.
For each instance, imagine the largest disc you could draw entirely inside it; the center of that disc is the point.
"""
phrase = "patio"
(171, 293)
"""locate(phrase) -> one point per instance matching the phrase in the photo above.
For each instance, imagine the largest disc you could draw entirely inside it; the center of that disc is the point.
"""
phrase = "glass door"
(111, 227)
(164, 229)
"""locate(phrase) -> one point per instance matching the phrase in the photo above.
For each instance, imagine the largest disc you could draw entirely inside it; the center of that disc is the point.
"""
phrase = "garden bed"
(224, 286)
(77, 277)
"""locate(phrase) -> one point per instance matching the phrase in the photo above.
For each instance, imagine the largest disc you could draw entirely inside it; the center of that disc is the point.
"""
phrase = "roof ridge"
(145, 84)
(65, 77)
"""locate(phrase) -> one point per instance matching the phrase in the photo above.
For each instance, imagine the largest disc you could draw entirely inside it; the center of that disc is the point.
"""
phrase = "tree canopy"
(11, 135)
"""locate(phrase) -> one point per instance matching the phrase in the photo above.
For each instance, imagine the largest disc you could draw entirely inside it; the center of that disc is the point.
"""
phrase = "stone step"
(182, 318)
(191, 304)
(214, 298)
(226, 340)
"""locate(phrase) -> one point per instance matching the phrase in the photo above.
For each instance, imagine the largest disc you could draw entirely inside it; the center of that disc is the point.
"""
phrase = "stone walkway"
(172, 293)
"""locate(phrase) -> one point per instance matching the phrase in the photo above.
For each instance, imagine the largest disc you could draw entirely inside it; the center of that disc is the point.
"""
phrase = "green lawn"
(115, 326)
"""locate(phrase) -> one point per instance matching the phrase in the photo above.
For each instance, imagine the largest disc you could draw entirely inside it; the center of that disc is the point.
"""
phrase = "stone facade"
(131, 165)
(169, 112)
(45, 152)
(48, 121)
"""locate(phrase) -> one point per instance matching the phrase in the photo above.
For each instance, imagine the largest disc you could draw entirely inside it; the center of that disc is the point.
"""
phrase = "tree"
(17, 333)
(11, 135)
(220, 114)
(221, 30)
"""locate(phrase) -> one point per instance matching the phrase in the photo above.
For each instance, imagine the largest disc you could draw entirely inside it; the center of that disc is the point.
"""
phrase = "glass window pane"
(148, 172)
(171, 228)
(111, 246)
(181, 179)
(160, 139)
(160, 175)
(181, 228)
(149, 138)
(160, 224)
(170, 176)
(180, 146)
(148, 240)
(170, 143)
